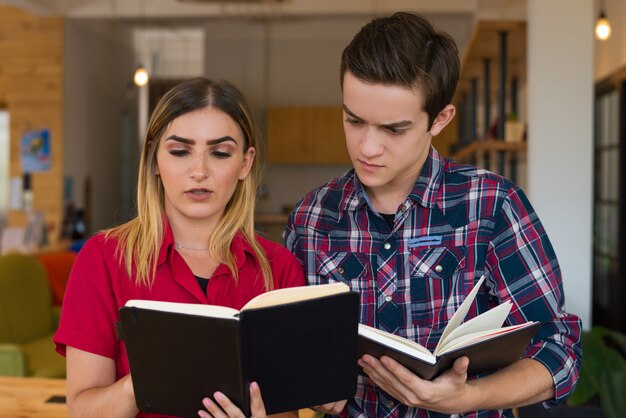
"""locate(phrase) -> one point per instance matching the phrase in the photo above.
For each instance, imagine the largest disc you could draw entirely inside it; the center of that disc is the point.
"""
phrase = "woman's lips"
(198, 194)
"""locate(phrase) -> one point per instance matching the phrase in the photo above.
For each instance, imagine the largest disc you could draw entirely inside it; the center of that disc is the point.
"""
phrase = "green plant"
(603, 372)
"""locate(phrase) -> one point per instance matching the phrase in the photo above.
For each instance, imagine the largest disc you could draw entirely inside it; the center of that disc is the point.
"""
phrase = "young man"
(412, 233)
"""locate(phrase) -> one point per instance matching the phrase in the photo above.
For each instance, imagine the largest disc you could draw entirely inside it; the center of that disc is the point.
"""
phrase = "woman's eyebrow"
(208, 142)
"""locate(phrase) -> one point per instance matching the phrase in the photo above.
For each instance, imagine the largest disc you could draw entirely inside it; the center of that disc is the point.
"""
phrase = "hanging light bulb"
(603, 27)
(141, 76)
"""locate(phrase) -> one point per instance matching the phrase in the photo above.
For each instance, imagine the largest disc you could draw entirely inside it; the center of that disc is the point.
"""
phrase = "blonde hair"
(140, 239)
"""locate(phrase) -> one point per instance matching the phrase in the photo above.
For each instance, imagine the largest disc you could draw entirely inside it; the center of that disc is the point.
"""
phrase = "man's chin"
(370, 181)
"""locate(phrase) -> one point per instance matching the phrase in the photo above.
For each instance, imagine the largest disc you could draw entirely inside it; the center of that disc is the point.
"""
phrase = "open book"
(271, 298)
(180, 353)
(483, 339)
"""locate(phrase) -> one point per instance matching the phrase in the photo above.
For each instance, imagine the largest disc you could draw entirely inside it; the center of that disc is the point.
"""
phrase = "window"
(609, 262)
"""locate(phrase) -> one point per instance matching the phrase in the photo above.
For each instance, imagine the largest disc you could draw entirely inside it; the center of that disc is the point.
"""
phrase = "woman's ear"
(443, 119)
(248, 159)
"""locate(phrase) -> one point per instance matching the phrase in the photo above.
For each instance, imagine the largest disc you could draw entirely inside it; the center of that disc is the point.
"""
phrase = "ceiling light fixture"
(603, 27)
(141, 77)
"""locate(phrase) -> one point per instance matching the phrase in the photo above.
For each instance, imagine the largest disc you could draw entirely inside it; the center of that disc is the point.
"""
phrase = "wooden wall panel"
(31, 88)
(306, 135)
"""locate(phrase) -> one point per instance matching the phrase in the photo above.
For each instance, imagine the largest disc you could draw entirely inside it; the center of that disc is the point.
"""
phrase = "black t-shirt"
(388, 218)
(203, 283)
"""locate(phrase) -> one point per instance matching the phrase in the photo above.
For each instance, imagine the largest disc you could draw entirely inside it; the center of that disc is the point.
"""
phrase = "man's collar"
(427, 185)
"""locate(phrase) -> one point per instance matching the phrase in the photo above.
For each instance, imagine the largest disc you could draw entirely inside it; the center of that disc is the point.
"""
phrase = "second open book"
(483, 339)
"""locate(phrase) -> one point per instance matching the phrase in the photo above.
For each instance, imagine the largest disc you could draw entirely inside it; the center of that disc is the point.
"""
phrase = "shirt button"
(438, 268)
(340, 270)
(388, 298)
(386, 246)
(389, 404)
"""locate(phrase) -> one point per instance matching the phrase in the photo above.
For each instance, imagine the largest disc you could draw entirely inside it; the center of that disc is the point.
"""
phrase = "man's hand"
(446, 393)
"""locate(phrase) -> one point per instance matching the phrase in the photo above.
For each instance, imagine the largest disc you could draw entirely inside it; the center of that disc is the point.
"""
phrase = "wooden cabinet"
(306, 135)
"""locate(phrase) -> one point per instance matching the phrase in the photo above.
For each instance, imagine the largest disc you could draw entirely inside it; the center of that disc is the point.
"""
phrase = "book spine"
(245, 348)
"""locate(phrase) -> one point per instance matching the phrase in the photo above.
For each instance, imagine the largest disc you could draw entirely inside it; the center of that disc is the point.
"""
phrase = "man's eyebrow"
(193, 141)
(393, 125)
(349, 112)
(401, 124)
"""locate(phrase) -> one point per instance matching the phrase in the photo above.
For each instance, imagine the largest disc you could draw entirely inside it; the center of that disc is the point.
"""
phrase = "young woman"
(192, 241)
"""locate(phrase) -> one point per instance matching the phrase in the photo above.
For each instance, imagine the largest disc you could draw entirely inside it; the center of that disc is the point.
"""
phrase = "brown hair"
(140, 239)
(404, 49)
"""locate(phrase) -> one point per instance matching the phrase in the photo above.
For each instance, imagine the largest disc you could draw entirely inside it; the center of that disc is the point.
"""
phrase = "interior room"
(541, 101)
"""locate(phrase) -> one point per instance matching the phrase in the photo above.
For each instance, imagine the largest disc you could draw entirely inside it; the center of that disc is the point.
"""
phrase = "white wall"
(560, 153)
(97, 69)
(293, 61)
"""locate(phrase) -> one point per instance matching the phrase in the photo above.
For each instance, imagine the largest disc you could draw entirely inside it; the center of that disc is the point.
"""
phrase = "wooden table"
(26, 397)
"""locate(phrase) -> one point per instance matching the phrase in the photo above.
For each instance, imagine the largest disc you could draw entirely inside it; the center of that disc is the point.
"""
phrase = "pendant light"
(141, 77)
(603, 27)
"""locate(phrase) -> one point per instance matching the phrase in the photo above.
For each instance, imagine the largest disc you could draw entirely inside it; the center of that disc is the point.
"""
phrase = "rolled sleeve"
(524, 269)
(558, 347)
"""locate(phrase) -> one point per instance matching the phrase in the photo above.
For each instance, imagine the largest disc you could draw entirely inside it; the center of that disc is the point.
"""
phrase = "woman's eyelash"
(354, 121)
(221, 154)
(183, 152)
(179, 152)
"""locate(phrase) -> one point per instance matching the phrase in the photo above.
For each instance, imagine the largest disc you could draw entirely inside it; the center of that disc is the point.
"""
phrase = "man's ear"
(443, 119)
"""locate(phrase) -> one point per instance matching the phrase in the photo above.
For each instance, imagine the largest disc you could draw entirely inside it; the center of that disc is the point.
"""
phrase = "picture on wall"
(35, 151)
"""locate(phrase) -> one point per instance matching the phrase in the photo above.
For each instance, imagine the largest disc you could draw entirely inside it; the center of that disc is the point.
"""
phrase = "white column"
(560, 137)
(142, 112)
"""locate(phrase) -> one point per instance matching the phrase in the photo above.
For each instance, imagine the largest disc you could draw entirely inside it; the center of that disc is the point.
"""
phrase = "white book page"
(487, 321)
(185, 308)
(461, 313)
(398, 343)
(475, 337)
(295, 294)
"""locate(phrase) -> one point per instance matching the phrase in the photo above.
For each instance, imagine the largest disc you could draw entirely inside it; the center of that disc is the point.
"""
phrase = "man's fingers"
(460, 365)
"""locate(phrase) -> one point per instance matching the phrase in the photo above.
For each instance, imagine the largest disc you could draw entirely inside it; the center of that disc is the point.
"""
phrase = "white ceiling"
(219, 8)
(456, 17)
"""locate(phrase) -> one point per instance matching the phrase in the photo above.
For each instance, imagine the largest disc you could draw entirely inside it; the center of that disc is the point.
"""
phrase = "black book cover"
(302, 354)
(486, 355)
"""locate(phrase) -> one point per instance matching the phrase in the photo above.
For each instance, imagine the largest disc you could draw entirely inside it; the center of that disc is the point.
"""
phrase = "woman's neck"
(191, 234)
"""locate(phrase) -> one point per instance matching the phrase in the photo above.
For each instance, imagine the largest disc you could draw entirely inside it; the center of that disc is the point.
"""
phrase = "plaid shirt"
(458, 223)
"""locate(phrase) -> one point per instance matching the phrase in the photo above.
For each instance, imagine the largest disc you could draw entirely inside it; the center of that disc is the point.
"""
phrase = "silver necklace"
(182, 247)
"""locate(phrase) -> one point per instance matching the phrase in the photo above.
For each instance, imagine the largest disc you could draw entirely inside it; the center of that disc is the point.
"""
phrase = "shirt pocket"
(346, 267)
(354, 270)
(433, 273)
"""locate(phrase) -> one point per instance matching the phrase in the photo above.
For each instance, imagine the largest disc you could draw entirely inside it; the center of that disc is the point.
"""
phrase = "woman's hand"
(332, 408)
(222, 406)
